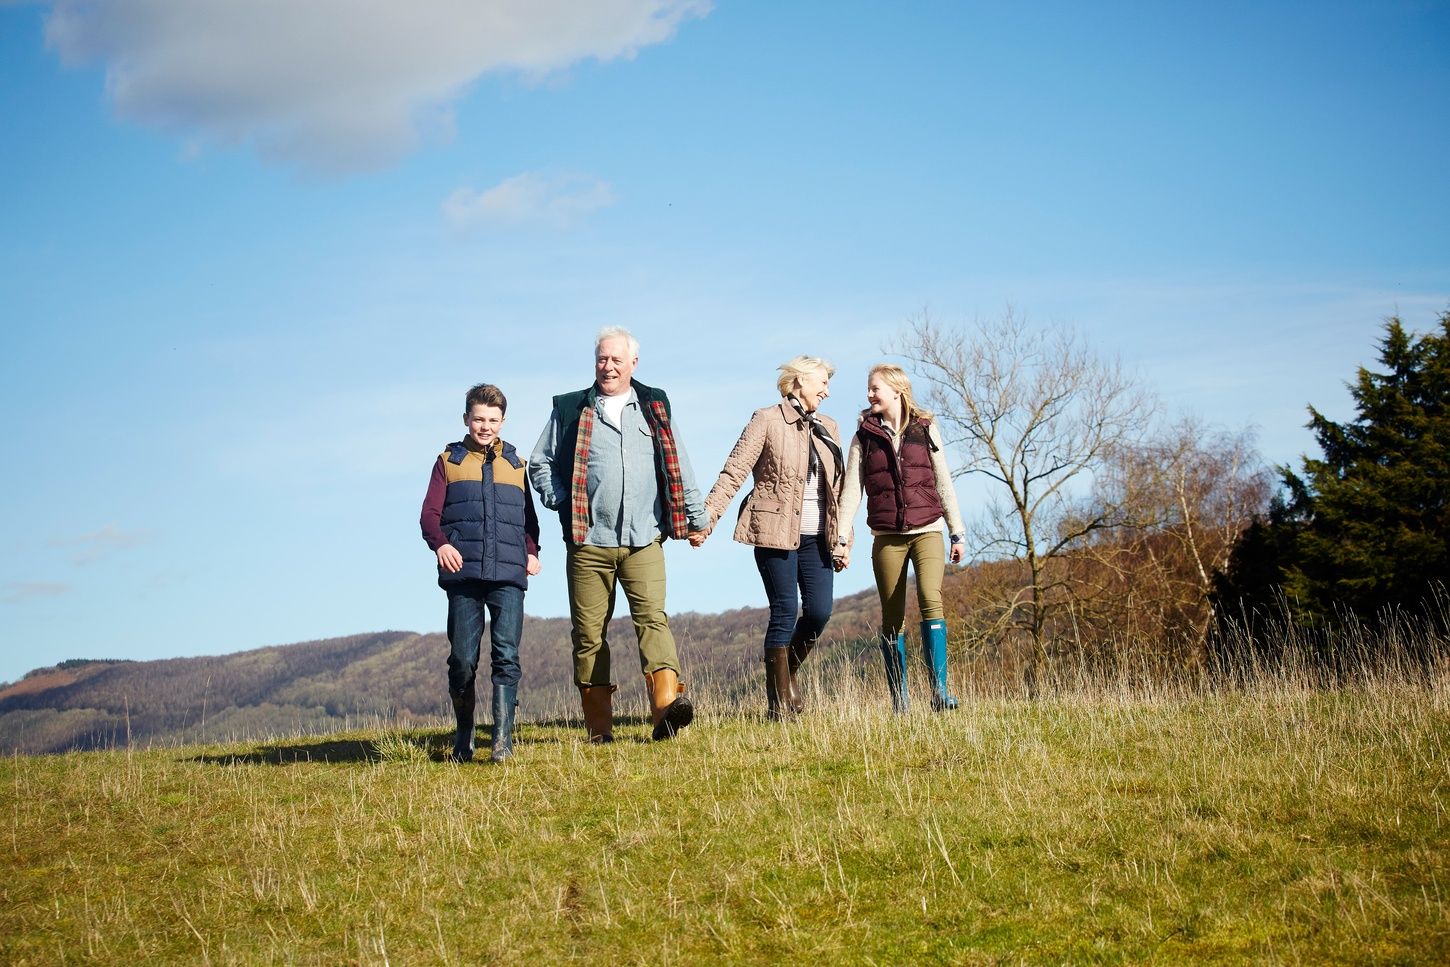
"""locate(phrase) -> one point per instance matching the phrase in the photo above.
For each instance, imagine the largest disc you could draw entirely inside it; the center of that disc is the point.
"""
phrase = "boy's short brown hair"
(485, 394)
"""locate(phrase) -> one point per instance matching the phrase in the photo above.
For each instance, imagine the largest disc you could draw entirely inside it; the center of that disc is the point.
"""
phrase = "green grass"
(1274, 824)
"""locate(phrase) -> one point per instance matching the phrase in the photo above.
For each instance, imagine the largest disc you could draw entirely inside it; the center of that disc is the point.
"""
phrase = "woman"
(794, 454)
(896, 457)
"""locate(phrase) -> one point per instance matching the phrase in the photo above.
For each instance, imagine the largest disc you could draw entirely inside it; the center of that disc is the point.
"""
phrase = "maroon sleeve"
(531, 522)
(431, 518)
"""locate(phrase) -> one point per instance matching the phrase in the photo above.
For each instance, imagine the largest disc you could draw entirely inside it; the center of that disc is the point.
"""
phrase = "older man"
(611, 464)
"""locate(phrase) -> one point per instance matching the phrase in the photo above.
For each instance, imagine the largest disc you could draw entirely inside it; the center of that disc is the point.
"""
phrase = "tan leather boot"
(669, 707)
(598, 702)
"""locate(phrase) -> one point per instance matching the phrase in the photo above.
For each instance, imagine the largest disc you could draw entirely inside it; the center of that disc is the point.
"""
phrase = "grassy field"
(1093, 825)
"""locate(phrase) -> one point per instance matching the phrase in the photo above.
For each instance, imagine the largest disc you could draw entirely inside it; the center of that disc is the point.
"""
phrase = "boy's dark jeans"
(468, 603)
(797, 582)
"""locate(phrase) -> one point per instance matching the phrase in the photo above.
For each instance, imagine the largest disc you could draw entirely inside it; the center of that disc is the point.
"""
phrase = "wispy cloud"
(17, 591)
(98, 543)
(335, 85)
(538, 197)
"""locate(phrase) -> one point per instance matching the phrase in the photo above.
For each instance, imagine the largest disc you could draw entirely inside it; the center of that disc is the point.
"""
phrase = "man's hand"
(697, 537)
(958, 552)
(533, 567)
(449, 559)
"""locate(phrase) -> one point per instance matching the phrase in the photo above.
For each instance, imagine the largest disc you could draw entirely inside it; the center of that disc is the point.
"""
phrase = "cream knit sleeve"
(944, 486)
(850, 493)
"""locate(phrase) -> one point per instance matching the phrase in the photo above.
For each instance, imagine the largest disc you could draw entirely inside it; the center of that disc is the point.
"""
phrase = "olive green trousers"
(890, 554)
(594, 575)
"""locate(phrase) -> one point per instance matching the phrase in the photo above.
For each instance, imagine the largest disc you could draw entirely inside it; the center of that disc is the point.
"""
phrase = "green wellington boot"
(463, 716)
(505, 700)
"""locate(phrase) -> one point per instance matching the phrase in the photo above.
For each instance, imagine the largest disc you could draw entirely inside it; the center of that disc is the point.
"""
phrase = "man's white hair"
(616, 332)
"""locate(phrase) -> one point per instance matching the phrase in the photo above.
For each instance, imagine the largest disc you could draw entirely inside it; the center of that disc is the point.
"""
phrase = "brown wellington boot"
(598, 702)
(778, 707)
(669, 707)
(799, 650)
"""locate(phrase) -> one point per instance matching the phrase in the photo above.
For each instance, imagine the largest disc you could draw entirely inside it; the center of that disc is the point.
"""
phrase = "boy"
(478, 518)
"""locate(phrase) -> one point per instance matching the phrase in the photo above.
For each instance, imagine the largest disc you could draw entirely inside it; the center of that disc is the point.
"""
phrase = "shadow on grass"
(322, 750)
(430, 744)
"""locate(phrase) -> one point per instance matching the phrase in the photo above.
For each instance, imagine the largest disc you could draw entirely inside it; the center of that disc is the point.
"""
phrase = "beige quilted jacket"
(772, 448)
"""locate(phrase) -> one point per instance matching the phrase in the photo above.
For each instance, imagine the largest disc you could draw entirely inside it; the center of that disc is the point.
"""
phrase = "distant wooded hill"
(399, 677)
(321, 686)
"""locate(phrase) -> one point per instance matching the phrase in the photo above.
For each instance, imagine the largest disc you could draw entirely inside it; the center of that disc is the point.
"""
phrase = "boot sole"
(679, 714)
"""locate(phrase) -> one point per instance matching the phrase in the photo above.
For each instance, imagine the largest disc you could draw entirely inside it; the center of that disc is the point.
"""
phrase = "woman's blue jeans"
(799, 586)
(468, 605)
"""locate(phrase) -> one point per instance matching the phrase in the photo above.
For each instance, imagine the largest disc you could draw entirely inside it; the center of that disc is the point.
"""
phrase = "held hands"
(841, 559)
(533, 567)
(697, 537)
(449, 559)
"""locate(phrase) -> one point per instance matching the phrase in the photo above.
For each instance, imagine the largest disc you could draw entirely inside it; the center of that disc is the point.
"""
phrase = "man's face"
(613, 366)
(483, 423)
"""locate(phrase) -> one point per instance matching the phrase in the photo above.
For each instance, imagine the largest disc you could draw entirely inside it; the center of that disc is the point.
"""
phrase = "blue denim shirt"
(624, 497)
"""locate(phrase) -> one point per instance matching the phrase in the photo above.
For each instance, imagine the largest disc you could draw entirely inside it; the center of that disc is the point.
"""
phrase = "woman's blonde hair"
(895, 377)
(798, 367)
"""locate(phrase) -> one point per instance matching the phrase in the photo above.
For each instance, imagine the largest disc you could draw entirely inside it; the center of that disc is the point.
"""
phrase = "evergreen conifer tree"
(1366, 527)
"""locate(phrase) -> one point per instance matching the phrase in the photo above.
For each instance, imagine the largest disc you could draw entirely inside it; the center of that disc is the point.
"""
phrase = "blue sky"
(251, 255)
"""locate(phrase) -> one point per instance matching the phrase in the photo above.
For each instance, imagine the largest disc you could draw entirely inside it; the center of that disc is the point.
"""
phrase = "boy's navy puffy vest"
(483, 514)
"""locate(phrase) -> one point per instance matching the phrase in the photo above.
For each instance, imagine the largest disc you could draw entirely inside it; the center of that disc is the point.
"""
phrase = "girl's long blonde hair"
(895, 377)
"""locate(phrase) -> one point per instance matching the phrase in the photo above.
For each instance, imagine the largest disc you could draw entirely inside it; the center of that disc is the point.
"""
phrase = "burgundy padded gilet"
(900, 486)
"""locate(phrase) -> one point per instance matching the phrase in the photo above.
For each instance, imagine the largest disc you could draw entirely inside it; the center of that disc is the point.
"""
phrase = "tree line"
(1112, 530)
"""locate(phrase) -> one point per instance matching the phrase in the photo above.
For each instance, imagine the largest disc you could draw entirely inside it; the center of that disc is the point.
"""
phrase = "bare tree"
(1185, 495)
(1037, 412)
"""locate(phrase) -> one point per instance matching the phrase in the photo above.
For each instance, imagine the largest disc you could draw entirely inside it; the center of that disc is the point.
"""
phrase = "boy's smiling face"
(483, 423)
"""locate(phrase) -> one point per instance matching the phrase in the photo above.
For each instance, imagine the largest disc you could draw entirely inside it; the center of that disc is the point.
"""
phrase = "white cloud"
(335, 85)
(16, 591)
(530, 197)
(101, 542)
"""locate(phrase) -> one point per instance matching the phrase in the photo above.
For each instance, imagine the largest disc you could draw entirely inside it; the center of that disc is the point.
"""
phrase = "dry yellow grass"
(1105, 823)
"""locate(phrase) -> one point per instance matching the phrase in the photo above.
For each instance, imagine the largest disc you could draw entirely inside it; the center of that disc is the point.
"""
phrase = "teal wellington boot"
(934, 651)
(505, 700)
(893, 655)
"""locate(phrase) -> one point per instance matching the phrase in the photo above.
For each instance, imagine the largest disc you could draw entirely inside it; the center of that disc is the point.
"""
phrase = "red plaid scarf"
(579, 485)
(667, 465)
